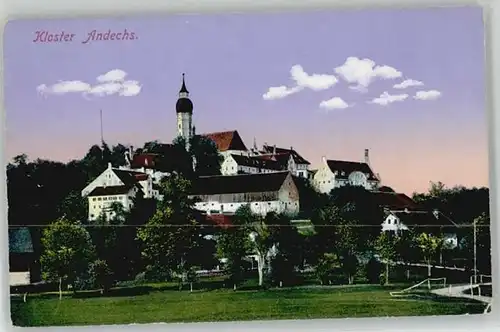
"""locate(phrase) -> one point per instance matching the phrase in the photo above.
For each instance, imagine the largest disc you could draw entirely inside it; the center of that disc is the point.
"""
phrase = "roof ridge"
(219, 132)
(243, 174)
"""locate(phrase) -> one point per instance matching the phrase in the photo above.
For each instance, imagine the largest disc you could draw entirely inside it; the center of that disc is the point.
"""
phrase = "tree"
(170, 237)
(359, 223)
(101, 275)
(205, 156)
(74, 206)
(261, 243)
(429, 245)
(288, 245)
(67, 252)
(232, 245)
(483, 242)
(386, 247)
(325, 266)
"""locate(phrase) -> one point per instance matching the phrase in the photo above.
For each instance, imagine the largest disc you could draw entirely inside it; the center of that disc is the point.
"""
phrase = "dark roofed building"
(113, 190)
(21, 256)
(342, 169)
(267, 149)
(264, 192)
(248, 183)
(337, 173)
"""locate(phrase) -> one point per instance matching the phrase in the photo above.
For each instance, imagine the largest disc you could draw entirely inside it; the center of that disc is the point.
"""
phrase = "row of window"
(106, 198)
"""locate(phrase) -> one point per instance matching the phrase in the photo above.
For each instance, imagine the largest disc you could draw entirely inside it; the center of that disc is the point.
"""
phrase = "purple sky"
(232, 60)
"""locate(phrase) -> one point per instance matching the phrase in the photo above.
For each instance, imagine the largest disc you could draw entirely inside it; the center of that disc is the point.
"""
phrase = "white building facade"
(264, 193)
(337, 173)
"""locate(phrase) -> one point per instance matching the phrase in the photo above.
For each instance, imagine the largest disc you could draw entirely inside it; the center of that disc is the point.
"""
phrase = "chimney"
(323, 159)
(109, 166)
(274, 149)
(367, 156)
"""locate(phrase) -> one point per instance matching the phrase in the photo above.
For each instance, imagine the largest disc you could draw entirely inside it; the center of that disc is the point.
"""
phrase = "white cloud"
(302, 81)
(427, 95)
(278, 92)
(362, 72)
(62, 87)
(407, 83)
(115, 75)
(333, 103)
(386, 99)
(110, 83)
(314, 81)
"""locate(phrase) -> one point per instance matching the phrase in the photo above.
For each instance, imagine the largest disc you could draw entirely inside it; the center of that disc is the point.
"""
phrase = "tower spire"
(183, 92)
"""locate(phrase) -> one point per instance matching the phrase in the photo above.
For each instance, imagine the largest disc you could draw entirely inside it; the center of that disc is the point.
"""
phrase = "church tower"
(184, 109)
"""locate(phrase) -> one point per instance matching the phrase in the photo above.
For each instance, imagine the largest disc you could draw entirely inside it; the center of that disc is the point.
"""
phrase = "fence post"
(449, 290)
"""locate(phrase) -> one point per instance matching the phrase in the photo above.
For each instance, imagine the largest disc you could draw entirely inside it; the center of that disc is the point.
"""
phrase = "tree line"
(170, 240)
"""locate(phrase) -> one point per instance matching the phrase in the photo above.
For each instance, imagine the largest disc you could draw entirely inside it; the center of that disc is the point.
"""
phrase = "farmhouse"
(265, 192)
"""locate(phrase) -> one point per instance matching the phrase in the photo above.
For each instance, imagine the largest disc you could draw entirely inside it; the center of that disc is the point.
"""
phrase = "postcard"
(237, 167)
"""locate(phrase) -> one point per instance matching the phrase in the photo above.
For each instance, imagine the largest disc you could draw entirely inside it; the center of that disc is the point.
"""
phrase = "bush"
(101, 275)
(373, 270)
(324, 268)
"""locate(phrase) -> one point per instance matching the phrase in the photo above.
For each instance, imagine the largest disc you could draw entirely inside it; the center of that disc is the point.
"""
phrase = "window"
(99, 198)
(104, 198)
(93, 198)
(91, 216)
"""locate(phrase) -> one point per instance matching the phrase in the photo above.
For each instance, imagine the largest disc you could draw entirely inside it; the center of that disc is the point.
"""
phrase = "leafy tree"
(261, 243)
(429, 245)
(386, 246)
(74, 206)
(101, 275)
(170, 237)
(67, 252)
(483, 242)
(288, 244)
(325, 266)
(205, 156)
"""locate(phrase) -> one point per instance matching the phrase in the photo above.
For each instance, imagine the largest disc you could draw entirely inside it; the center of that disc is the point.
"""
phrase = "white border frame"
(13, 9)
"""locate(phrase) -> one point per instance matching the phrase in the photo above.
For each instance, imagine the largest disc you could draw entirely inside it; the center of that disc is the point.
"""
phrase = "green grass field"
(158, 303)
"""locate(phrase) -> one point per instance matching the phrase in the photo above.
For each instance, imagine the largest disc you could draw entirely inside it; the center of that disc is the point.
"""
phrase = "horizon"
(415, 102)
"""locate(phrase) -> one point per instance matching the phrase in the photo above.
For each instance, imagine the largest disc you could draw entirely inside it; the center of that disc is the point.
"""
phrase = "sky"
(409, 85)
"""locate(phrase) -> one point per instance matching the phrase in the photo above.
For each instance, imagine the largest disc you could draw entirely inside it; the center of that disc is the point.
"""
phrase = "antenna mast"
(102, 134)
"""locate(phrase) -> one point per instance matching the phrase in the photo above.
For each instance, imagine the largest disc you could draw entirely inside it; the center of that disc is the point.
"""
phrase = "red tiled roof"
(110, 191)
(141, 176)
(146, 160)
(227, 140)
(344, 168)
(393, 200)
(220, 220)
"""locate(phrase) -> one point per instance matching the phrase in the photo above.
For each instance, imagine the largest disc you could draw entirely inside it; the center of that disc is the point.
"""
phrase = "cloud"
(115, 75)
(386, 99)
(278, 92)
(407, 83)
(315, 82)
(362, 72)
(63, 87)
(110, 83)
(303, 80)
(427, 95)
(333, 103)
